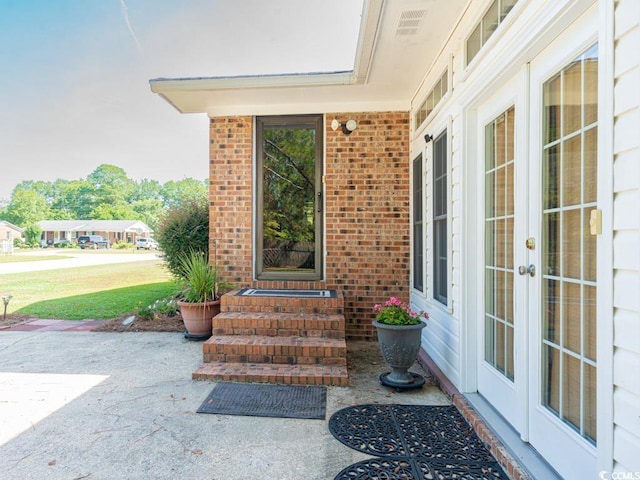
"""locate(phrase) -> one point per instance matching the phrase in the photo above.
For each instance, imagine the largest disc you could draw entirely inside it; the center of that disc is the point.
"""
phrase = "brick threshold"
(512, 467)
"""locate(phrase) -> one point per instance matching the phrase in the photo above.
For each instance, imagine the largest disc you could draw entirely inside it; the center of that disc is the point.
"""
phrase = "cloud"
(125, 17)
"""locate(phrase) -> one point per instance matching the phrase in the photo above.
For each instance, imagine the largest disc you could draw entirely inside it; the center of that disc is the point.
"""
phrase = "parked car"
(92, 241)
(146, 243)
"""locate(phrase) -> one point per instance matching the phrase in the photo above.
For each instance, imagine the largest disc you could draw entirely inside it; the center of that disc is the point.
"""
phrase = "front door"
(537, 360)
(289, 203)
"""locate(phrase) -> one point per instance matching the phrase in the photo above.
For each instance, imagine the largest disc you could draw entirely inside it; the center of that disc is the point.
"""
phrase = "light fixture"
(347, 127)
(428, 138)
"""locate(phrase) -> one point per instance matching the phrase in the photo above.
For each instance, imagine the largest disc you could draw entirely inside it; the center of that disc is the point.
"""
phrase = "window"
(494, 16)
(418, 243)
(433, 98)
(440, 248)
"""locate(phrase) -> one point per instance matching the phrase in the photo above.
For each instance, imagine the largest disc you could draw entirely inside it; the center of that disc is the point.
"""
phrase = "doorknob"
(530, 270)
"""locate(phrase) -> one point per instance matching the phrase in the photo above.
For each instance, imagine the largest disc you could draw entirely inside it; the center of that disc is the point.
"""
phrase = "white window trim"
(429, 240)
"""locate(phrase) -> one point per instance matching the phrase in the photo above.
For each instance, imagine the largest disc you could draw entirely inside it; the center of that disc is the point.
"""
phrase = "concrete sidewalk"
(70, 259)
(122, 406)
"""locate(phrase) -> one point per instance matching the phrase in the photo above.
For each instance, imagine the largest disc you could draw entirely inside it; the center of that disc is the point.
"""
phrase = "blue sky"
(74, 76)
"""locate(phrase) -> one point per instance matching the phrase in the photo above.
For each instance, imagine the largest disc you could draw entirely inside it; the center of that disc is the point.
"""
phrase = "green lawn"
(97, 292)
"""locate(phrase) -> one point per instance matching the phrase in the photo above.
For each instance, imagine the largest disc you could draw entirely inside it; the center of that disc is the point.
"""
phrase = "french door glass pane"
(499, 224)
(418, 259)
(568, 248)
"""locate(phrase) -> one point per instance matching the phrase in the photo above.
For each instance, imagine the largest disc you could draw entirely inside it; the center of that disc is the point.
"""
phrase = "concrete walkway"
(122, 406)
(76, 259)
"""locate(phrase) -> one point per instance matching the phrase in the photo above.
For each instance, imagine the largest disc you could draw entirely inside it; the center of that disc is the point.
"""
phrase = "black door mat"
(266, 400)
(412, 442)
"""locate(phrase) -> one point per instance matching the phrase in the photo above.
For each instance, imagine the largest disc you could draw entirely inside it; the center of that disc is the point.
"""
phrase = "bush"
(165, 306)
(183, 229)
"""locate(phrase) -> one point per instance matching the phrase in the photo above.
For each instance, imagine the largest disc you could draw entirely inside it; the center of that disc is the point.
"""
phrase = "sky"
(74, 91)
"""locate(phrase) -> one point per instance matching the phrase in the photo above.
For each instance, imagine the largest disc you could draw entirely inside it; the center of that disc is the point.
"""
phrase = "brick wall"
(366, 210)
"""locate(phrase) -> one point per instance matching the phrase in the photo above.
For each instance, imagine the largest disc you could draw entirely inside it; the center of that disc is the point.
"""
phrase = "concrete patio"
(122, 405)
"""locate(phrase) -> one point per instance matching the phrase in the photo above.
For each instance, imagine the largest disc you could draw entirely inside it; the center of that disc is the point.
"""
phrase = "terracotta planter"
(400, 345)
(197, 317)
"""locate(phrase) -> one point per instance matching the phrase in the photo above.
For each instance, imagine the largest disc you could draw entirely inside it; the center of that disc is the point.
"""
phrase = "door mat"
(412, 442)
(266, 400)
(286, 292)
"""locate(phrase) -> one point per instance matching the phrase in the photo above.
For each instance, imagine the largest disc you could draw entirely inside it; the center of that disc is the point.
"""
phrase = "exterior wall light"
(347, 127)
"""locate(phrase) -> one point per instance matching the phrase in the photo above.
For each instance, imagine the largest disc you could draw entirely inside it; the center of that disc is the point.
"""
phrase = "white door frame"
(470, 98)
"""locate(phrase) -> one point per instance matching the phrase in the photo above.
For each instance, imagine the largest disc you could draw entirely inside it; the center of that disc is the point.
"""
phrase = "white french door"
(564, 218)
(537, 146)
(501, 376)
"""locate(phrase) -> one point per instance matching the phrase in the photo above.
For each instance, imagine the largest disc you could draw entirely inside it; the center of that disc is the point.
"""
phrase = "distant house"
(8, 232)
(115, 231)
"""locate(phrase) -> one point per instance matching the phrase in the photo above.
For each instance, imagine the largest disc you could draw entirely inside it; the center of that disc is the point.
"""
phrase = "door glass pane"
(288, 174)
(551, 194)
(418, 260)
(590, 164)
(551, 314)
(568, 249)
(498, 262)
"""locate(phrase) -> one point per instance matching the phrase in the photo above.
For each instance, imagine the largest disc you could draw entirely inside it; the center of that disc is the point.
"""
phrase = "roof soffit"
(399, 40)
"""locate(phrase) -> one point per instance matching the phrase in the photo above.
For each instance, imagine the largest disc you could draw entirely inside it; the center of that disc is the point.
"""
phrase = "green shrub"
(164, 306)
(183, 229)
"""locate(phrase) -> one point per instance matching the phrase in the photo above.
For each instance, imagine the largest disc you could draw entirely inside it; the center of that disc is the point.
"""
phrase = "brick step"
(279, 324)
(273, 373)
(232, 302)
(276, 350)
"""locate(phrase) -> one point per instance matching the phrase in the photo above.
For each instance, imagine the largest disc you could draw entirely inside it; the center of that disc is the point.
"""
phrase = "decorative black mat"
(265, 400)
(414, 442)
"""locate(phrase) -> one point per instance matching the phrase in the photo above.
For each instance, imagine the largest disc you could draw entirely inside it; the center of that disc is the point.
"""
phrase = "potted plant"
(399, 332)
(200, 298)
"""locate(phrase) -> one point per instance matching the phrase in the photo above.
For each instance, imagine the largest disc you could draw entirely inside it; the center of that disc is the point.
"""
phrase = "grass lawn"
(96, 292)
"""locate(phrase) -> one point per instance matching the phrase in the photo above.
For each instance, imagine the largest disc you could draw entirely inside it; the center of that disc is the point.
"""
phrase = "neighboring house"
(493, 178)
(54, 231)
(8, 232)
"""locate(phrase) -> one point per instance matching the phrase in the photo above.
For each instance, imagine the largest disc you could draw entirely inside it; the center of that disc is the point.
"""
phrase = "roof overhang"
(390, 63)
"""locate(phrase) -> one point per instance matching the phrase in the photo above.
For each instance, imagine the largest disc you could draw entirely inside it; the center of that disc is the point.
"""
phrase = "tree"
(32, 233)
(111, 185)
(120, 211)
(77, 200)
(106, 194)
(26, 207)
(176, 193)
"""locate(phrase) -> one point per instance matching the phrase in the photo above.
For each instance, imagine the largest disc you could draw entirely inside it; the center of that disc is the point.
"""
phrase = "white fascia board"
(168, 85)
(171, 89)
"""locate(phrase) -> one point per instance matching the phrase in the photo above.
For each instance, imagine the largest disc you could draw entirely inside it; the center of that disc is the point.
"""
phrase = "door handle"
(319, 202)
(530, 270)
